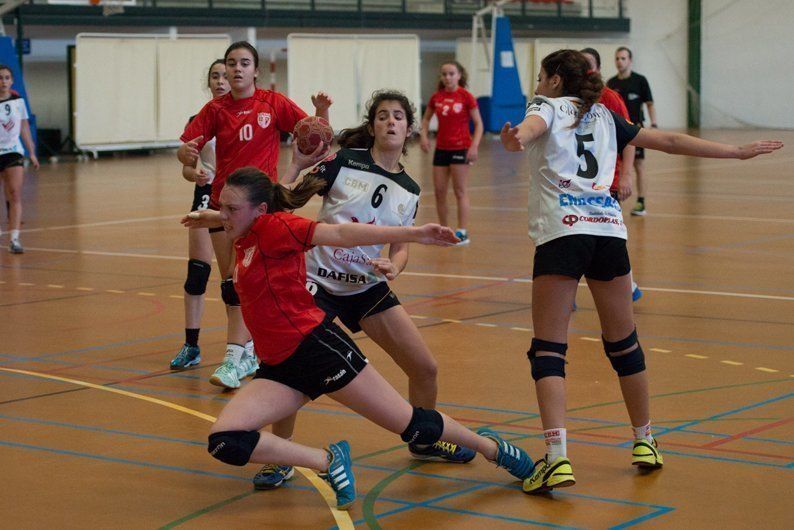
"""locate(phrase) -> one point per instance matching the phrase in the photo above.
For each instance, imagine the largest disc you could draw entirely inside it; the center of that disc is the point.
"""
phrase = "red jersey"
(270, 279)
(612, 101)
(247, 132)
(453, 110)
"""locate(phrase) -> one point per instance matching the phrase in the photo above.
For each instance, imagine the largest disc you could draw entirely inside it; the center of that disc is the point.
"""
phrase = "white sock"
(14, 235)
(643, 432)
(234, 352)
(556, 443)
(633, 286)
(249, 348)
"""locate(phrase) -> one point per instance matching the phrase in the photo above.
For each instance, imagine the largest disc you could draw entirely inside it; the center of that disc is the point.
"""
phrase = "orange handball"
(310, 132)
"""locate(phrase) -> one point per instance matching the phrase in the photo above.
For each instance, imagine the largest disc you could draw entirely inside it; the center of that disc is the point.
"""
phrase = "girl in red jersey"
(454, 106)
(302, 355)
(247, 124)
(15, 127)
(578, 231)
(199, 240)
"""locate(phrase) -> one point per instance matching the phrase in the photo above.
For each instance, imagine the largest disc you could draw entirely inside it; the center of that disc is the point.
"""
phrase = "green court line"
(374, 493)
(208, 509)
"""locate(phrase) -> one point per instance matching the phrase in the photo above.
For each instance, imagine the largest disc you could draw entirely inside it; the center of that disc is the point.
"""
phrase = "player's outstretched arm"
(683, 144)
(349, 235)
(516, 138)
(202, 219)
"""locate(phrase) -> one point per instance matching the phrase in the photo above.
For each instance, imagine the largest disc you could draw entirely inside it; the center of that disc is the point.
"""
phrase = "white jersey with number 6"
(572, 170)
(12, 112)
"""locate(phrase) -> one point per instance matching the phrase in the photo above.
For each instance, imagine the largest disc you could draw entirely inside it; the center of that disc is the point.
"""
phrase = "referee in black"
(635, 91)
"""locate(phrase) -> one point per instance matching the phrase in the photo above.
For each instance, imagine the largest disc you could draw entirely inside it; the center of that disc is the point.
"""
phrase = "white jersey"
(12, 112)
(572, 170)
(358, 191)
(207, 159)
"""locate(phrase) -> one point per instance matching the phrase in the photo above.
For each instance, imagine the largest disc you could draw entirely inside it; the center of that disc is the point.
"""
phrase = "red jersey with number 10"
(248, 132)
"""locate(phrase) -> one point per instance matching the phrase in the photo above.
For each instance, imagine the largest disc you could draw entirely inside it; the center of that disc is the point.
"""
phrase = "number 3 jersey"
(358, 191)
(12, 112)
(572, 170)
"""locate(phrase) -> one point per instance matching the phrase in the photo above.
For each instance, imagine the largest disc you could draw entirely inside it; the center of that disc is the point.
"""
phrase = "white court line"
(102, 223)
(437, 275)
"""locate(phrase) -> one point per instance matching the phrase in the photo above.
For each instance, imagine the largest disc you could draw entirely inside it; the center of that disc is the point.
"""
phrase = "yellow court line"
(695, 356)
(591, 339)
(660, 350)
(342, 518)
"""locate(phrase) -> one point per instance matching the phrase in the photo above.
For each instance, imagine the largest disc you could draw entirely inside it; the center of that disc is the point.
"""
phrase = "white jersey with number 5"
(572, 170)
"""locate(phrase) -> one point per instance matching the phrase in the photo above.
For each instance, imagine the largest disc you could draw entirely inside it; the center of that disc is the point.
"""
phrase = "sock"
(249, 348)
(14, 235)
(234, 352)
(191, 336)
(633, 286)
(643, 432)
(556, 443)
(641, 200)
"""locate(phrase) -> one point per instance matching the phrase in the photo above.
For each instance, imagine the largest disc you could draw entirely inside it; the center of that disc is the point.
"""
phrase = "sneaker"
(636, 294)
(639, 209)
(646, 454)
(248, 362)
(228, 373)
(547, 476)
(271, 476)
(512, 458)
(15, 247)
(188, 356)
(443, 452)
(463, 236)
(340, 475)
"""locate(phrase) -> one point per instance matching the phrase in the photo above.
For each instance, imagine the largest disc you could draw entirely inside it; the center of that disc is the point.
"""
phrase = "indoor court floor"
(97, 432)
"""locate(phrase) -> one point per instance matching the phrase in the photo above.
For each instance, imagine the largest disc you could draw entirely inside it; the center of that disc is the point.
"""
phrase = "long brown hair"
(259, 188)
(361, 136)
(578, 80)
(464, 75)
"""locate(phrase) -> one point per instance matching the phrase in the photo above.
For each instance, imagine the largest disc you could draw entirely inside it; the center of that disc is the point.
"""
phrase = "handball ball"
(311, 132)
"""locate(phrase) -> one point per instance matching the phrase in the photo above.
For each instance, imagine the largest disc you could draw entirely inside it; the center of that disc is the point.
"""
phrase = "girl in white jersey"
(15, 126)
(578, 230)
(201, 174)
(367, 184)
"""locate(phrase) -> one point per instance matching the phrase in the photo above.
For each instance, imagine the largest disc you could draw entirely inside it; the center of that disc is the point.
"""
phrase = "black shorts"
(326, 361)
(11, 160)
(442, 157)
(600, 258)
(352, 309)
(201, 197)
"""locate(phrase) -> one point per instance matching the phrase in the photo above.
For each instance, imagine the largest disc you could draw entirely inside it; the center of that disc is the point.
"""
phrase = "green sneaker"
(248, 362)
(271, 476)
(188, 356)
(639, 209)
(228, 373)
(550, 475)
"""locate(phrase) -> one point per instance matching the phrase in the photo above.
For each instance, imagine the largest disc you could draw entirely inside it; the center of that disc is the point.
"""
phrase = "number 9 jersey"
(358, 191)
(572, 170)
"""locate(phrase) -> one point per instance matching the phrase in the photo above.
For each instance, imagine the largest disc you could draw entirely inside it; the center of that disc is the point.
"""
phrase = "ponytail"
(292, 199)
(259, 189)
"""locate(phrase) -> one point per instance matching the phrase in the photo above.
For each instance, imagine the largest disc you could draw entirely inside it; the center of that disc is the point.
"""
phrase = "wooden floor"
(96, 299)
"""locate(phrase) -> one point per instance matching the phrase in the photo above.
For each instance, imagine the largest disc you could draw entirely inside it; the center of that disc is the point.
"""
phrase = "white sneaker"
(227, 374)
(248, 362)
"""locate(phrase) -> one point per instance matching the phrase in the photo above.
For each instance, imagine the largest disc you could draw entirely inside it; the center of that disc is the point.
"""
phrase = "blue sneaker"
(188, 356)
(271, 476)
(512, 458)
(636, 294)
(340, 475)
(463, 235)
(442, 452)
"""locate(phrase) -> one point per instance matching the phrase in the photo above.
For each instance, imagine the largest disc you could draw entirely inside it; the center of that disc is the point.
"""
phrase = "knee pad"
(629, 363)
(228, 293)
(198, 274)
(233, 447)
(546, 365)
(425, 428)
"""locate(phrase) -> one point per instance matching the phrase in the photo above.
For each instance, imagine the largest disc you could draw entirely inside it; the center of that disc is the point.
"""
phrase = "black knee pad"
(228, 293)
(233, 447)
(628, 363)
(425, 428)
(198, 274)
(546, 365)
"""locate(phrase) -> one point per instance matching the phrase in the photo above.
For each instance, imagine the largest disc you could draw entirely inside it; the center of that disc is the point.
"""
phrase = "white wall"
(658, 41)
(748, 69)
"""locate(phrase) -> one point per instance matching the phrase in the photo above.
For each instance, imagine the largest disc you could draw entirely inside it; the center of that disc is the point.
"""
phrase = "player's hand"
(385, 267)
(202, 219)
(472, 155)
(302, 161)
(625, 184)
(760, 147)
(509, 137)
(34, 162)
(435, 234)
(189, 152)
(201, 176)
(425, 144)
(321, 101)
